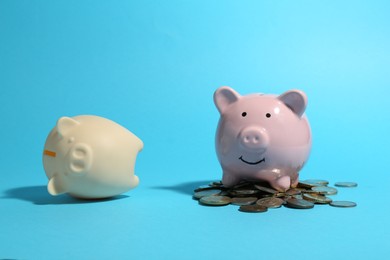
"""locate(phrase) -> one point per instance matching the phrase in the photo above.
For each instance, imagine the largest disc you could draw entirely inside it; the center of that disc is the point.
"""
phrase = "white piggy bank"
(90, 157)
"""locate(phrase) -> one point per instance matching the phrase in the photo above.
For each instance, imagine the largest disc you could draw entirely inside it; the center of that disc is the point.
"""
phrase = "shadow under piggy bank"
(39, 195)
(186, 187)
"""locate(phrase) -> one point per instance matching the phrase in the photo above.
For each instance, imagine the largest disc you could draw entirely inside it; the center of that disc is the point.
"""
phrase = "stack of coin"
(260, 196)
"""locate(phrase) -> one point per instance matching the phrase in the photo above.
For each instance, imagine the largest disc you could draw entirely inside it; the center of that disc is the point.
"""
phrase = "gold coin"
(266, 189)
(243, 200)
(270, 202)
(253, 208)
(307, 185)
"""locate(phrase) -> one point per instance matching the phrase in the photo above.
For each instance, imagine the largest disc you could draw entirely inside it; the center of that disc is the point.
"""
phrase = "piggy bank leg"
(229, 179)
(294, 181)
(281, 184)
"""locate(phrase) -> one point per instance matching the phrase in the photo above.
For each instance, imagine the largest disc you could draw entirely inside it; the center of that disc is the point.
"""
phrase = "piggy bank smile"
(251, 163)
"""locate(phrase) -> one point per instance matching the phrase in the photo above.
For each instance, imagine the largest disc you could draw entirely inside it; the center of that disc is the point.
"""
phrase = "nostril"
(251, 139)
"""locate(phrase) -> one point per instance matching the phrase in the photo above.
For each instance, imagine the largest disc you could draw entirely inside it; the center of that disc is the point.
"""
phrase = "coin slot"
(50, 153)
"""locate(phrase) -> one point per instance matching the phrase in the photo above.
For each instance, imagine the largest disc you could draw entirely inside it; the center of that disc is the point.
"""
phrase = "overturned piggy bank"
(90, 157)
(262, 137)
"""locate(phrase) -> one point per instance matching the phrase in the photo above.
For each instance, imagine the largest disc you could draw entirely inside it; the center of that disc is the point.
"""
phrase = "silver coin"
(243, 201)
(346, 184)
(298, 204)
(307, 185)
(325, 190)
(253, 208)
(343, 204)
(317, 182)
(270, 202)
(316, 198)
(215, 200)
(207, 192)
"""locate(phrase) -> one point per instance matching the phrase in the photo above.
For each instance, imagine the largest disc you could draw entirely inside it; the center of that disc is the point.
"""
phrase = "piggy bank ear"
(80, 159)
(65, 124)
(224, 97)
(296, 100)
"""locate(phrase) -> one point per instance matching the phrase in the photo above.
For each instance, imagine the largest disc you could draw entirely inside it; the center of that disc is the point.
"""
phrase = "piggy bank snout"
(254, 138)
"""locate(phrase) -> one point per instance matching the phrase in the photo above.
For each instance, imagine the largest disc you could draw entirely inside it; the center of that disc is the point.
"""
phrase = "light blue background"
(153, 66)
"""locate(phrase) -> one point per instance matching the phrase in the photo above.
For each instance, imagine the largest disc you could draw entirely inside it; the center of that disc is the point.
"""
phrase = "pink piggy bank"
(262, 137)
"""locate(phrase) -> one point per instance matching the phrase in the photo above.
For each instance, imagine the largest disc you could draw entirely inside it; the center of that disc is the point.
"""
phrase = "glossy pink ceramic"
(262, 137)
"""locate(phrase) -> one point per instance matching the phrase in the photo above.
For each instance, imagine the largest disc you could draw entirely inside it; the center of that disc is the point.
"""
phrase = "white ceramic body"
(90, 157)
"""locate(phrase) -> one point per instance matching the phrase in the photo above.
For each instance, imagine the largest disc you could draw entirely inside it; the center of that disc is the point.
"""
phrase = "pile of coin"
(260, 196)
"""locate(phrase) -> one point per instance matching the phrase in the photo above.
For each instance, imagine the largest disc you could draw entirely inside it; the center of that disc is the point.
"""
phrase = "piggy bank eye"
(243, 114)
(268, 115)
